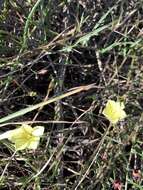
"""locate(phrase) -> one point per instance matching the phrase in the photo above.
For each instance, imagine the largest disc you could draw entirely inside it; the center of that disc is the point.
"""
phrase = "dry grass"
(50, 47)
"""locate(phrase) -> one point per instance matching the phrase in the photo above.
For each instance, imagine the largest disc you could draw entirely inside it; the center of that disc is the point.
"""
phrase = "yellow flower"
(114, 111)
(24, 136)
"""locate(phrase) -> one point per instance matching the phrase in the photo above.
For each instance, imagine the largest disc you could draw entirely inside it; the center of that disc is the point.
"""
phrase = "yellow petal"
(22, 132)
(122, 114)
(33, 144)
(38, 131)
(24, 136)
(20, 145)
(114, 112)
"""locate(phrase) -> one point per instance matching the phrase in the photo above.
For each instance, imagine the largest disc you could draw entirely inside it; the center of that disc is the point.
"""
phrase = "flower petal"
(20, 145)
(114, 111)
(33, 144)
(38, 131)
(24, 136)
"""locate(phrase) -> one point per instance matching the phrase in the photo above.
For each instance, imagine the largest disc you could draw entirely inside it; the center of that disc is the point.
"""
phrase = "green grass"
(50, 54)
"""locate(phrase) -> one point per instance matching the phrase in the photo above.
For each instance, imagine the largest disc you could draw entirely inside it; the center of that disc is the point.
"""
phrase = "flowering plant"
(24, 137)
(114, 111)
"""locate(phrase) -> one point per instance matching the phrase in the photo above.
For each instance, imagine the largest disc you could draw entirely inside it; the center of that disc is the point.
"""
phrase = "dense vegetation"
(72, 56)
